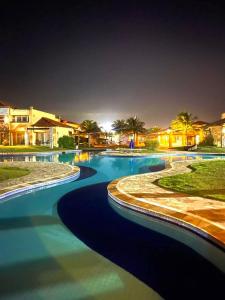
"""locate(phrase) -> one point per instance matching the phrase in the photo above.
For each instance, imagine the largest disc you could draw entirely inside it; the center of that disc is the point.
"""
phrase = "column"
(51, 138)
(26, 138)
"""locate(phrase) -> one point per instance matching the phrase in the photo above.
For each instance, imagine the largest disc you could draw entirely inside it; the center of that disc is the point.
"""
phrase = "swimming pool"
(106, 254)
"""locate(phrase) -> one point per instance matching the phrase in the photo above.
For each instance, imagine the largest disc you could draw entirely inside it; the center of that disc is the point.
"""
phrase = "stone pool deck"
(41, 174)
(139, 192)
(126, 153)
(38, 153)
(138, 153)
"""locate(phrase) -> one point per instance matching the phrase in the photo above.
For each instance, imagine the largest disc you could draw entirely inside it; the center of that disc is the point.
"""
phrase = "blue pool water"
(69, 242)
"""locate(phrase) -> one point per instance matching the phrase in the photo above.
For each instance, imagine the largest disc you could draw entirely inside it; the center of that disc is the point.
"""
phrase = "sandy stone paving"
(125, 153)
(39, 172)
(141, 191)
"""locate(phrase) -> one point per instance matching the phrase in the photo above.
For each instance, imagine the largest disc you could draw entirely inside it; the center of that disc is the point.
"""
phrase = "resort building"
(35, 127)
(81, 137)
(217, 130)
(139, 139)
(169, 138)
(31, 127)
(47, 132)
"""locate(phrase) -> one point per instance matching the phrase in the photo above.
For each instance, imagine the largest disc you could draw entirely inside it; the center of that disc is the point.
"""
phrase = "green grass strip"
(207, 179)
(12, 172)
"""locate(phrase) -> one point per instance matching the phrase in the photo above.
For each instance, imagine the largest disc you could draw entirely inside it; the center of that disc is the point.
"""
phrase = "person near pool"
(131, 145)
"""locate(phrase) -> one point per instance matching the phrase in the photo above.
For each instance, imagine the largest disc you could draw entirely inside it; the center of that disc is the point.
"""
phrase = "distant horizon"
(102, 117)
(106, 122)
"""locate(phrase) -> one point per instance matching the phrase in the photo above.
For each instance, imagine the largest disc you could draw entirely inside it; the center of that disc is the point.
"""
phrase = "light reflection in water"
(82, 157)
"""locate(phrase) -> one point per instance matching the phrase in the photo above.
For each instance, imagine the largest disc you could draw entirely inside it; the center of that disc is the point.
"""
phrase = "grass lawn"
(206, 149)
(210, 149)
(207, 179)
(10, 149)
(12, 172)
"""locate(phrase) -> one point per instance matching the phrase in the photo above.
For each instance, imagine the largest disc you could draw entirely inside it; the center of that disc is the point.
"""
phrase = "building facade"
(138, 138)
(217, 130)
(172, 138)
(30, 127)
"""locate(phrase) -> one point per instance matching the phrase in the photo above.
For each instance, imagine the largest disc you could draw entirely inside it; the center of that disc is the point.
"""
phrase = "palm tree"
(135, 126)
(90, 127)
(184, 122)
(154, 129)
(119, 126)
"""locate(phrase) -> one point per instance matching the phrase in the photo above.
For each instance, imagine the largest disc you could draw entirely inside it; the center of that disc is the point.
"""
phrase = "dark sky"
(106, 60)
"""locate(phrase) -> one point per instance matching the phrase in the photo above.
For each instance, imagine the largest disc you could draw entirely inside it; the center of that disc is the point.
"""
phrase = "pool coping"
(41, 183)
(203, 227)
(143, 155)
(39, 153)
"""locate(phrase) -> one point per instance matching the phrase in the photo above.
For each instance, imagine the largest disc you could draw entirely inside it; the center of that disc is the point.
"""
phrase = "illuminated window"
(20, 119)
(177, 139)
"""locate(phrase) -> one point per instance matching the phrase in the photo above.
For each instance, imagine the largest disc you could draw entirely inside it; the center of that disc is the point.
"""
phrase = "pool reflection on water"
(32, 219)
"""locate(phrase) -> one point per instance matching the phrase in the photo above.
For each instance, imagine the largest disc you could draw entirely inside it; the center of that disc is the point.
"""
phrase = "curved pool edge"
(201, 226)
(42, 153)
(156, 154)
(39, 184)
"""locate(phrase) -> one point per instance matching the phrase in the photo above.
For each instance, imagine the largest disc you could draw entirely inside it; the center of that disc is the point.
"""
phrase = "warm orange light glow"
(6, 119)
(81, 157)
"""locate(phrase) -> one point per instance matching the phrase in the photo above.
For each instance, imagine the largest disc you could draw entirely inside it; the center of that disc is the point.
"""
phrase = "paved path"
(205, 216)
(38, 153)
(127, 153)
(41, 173)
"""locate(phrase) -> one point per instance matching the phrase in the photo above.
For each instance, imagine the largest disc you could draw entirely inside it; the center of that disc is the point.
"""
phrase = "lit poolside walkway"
(204, 216)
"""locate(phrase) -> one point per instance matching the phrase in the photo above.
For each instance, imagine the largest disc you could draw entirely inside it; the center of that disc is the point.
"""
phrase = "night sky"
(105, 60)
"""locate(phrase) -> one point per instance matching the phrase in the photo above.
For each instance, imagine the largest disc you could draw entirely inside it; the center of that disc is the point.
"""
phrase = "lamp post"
(51, 137)
(77, 139)
(169, 133)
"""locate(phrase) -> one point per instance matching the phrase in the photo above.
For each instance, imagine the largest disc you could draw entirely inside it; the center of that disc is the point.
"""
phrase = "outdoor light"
(107, 126)
(6, 119)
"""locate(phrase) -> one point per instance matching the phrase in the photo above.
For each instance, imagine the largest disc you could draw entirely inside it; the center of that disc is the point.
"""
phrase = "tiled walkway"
(205, 216)
(125, 153)
(41, 173)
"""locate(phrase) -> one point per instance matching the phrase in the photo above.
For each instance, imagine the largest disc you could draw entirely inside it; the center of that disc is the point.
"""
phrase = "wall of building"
(33, 115)
(60, 132)
(21, 120)
(170, 139)
(36, 115)
(17, 121)
(216, 132)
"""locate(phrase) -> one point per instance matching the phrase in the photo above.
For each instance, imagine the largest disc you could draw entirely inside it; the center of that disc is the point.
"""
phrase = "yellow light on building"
(26, 139)
(6, 119)
(197, 139)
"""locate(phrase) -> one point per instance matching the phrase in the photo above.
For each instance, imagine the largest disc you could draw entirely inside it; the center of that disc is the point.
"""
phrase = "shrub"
(66, 142)
(5, 142)
(208, 141)
(152, 144)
